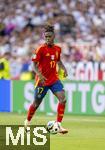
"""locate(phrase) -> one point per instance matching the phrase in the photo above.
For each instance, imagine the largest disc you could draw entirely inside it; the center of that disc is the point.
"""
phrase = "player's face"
(49, 38)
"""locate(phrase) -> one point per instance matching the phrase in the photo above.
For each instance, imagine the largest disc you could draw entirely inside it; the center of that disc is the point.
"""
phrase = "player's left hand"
(65, 73)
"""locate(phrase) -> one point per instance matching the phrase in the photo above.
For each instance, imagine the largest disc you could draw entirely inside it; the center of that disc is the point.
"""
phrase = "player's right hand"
(42, 78)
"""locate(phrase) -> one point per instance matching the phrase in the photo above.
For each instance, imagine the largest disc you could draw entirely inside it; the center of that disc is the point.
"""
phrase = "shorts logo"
(39, 96)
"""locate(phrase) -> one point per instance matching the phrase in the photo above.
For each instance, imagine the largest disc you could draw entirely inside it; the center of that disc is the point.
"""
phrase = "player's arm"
(61, 65)
(36, 70)
(36, 58)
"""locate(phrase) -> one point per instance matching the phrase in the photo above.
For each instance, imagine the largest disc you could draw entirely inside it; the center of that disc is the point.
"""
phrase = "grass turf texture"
(85, 132)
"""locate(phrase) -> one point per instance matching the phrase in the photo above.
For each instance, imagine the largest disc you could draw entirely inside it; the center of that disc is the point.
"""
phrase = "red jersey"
(47, 58)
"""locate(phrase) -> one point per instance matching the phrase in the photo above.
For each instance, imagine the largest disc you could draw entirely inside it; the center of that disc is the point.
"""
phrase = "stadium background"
(80, 31)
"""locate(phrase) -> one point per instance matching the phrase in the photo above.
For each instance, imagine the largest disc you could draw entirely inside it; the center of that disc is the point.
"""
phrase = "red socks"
(60, 111)
(31, 112)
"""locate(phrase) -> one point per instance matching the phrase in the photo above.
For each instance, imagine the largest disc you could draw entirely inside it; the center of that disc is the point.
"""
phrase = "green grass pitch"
(85, 132)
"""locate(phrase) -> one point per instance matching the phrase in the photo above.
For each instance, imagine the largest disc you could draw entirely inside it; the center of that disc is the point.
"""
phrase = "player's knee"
(36, 103)
(62, 100)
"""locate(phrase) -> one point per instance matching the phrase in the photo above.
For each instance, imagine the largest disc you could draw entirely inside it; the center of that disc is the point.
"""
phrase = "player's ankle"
(27, 122)
(59, 123)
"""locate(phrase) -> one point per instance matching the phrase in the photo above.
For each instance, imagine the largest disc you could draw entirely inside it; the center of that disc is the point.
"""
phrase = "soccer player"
(45, 59)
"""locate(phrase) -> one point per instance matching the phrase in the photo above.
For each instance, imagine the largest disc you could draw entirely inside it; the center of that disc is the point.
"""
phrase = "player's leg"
(61, 109)
(61, 105)
(39, 94)
(59, 92)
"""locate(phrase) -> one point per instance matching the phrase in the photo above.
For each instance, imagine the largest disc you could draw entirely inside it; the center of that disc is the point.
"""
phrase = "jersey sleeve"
(36, 56)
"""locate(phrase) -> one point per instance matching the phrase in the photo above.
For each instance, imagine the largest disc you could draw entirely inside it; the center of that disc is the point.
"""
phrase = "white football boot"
(26, 124)
(61, 129)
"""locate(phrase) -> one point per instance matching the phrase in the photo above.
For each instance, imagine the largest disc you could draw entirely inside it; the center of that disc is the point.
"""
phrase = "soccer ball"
(53, 127)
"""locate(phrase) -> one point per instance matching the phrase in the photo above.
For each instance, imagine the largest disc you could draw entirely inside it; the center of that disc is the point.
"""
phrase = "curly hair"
(49, 28)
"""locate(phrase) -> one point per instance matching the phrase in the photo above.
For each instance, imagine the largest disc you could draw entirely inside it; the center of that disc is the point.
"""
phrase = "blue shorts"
(40, 91)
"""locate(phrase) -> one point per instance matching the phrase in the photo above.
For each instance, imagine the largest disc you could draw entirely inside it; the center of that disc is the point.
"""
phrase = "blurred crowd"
(79, 27)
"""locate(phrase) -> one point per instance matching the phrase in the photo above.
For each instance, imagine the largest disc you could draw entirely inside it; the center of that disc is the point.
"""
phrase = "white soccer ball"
(53, 127)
